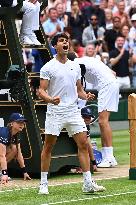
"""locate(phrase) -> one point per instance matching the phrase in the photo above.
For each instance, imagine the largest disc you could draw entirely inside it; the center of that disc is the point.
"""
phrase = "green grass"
(118, 191)
(121, 144)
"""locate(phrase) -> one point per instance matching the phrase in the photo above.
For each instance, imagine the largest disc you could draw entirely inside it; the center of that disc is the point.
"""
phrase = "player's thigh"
(81, 139)
(75, 123)
(108, 98)
(54, 123)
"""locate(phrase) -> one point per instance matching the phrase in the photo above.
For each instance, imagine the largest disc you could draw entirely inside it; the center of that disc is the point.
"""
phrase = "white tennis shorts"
(72, 121)
(108, 98)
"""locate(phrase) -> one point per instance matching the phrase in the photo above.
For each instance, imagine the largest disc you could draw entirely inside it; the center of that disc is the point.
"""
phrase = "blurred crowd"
(105, 29)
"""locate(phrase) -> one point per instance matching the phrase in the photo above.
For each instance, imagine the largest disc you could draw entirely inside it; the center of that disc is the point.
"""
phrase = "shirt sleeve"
(45, 73)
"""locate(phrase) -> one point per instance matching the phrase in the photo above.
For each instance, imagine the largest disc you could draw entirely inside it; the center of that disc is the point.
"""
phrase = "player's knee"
(48, 148)
(83, 145)
(102, 122)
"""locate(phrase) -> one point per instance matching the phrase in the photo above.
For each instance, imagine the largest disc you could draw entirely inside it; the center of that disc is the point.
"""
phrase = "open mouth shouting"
(65, 47)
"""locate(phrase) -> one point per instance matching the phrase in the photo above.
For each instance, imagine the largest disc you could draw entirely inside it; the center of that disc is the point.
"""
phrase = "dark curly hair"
(55, 38)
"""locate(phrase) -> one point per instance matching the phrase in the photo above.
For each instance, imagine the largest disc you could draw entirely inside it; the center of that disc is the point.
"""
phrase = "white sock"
(103, 153)
(87, 177)
(108, 152)
(44, 177)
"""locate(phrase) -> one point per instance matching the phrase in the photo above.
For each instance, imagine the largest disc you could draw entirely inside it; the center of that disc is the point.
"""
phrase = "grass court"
(119, 191)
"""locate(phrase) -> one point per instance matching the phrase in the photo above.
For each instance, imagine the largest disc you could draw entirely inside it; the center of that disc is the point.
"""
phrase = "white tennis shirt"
(62, 81)
(97, 72)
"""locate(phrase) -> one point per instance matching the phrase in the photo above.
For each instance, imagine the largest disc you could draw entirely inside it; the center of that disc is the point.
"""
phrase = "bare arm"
(21, 162)
(20, 158)
(3, 163)
(82, 94)
(42, 93)
(115, 60)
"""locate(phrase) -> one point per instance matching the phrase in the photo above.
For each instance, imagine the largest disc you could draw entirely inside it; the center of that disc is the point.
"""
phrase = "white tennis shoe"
(43, 189)
(105, 163)
(92, 187)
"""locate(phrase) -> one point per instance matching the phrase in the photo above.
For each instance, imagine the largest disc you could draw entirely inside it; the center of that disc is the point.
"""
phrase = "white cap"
(133, 18)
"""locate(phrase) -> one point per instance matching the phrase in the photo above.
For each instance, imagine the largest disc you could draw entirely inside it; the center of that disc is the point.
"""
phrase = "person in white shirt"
(103, 78)
(60, 77)
(30, 21)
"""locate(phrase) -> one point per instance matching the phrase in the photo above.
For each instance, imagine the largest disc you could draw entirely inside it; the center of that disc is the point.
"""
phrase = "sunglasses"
(94, 19)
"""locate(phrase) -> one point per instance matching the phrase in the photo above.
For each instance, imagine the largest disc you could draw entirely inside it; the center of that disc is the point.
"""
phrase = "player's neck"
(61, 58)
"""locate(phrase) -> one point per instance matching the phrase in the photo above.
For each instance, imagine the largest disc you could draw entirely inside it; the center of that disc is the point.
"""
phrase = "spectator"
(68, 7)
(131, 8)
(61, 14)
(53, 25)
(99, 13)
(111, 34)
(103, 4)
(53, 3)
(77, 22)
(132, 33)
(95, 9)
(134, 68)
(93, 32)
(84, 4)
(10, 145)
(122, 14)
(125, 33)
(93, 51)
(43, 16)
(132, 44)
(112, 5)
(77, 48)
(119, 59)
(96, 51)
(30, 21)
(108, 19)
